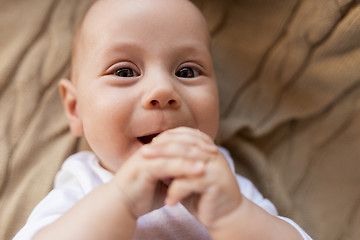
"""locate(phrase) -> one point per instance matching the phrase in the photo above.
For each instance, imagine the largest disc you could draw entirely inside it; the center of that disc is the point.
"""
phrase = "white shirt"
(81, 173)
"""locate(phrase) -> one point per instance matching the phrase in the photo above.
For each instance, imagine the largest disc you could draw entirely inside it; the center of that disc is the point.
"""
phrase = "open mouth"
(147, 139)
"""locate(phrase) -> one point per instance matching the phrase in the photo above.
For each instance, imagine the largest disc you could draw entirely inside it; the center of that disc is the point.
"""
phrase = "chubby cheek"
(205, 108)
(105, 128)
(211, 121)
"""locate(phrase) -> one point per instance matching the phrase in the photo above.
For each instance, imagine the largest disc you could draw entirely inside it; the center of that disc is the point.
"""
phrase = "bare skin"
(143, 69)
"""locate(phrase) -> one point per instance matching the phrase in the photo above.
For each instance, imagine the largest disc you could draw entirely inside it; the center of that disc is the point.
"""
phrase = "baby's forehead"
(117, 10)
(104, 15)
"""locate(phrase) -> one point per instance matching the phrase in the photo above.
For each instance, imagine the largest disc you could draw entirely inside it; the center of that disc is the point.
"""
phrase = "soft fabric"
(81, 173)
(288, 73)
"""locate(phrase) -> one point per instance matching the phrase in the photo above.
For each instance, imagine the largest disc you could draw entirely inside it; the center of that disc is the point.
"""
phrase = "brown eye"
(125, 72)
(186, 72)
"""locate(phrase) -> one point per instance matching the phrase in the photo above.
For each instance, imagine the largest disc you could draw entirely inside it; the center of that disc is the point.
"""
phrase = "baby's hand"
(142, 179)
(211, 193)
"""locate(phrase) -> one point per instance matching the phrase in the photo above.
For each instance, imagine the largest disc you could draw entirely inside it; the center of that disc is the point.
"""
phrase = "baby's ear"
(68, 95)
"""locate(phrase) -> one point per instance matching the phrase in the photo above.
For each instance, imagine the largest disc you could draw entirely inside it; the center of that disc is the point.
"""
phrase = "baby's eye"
(187, 72)
(125, 72)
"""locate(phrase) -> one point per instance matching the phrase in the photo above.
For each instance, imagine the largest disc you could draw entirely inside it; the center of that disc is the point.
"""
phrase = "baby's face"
(142, 67)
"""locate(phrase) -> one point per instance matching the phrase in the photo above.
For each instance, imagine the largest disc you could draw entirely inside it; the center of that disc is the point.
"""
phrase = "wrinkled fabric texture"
(289, 83)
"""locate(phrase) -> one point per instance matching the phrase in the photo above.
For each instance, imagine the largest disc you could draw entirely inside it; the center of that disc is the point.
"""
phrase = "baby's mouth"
(148, 138)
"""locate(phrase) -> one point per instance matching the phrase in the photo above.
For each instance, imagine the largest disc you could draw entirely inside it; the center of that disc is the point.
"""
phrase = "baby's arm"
(99, 215)
(215, 197)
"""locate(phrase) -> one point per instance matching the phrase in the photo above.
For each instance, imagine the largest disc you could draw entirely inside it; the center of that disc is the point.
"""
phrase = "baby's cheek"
(210, 121)
(108, 142)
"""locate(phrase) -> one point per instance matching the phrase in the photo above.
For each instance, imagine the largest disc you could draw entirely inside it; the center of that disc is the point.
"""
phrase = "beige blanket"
(289, 80)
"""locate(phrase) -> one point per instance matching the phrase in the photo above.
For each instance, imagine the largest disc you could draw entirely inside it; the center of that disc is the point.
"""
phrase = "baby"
(143, 92)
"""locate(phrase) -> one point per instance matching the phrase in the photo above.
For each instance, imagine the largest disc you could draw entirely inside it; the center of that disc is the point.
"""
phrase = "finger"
(182, 188)
(217, 176)
(192, 131)
(186, 131)
(177, 141)
(163, 168)
(177, 150)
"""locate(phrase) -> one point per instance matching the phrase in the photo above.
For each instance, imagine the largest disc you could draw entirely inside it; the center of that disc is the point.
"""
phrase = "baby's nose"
(161, 96)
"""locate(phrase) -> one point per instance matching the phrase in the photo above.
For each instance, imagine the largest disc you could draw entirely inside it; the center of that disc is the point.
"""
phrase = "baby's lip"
(146, 139)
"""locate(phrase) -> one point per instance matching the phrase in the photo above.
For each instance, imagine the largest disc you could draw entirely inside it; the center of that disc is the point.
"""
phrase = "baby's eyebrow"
(185, 47)
(108, 54)
(121, 46)
(188, 45)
